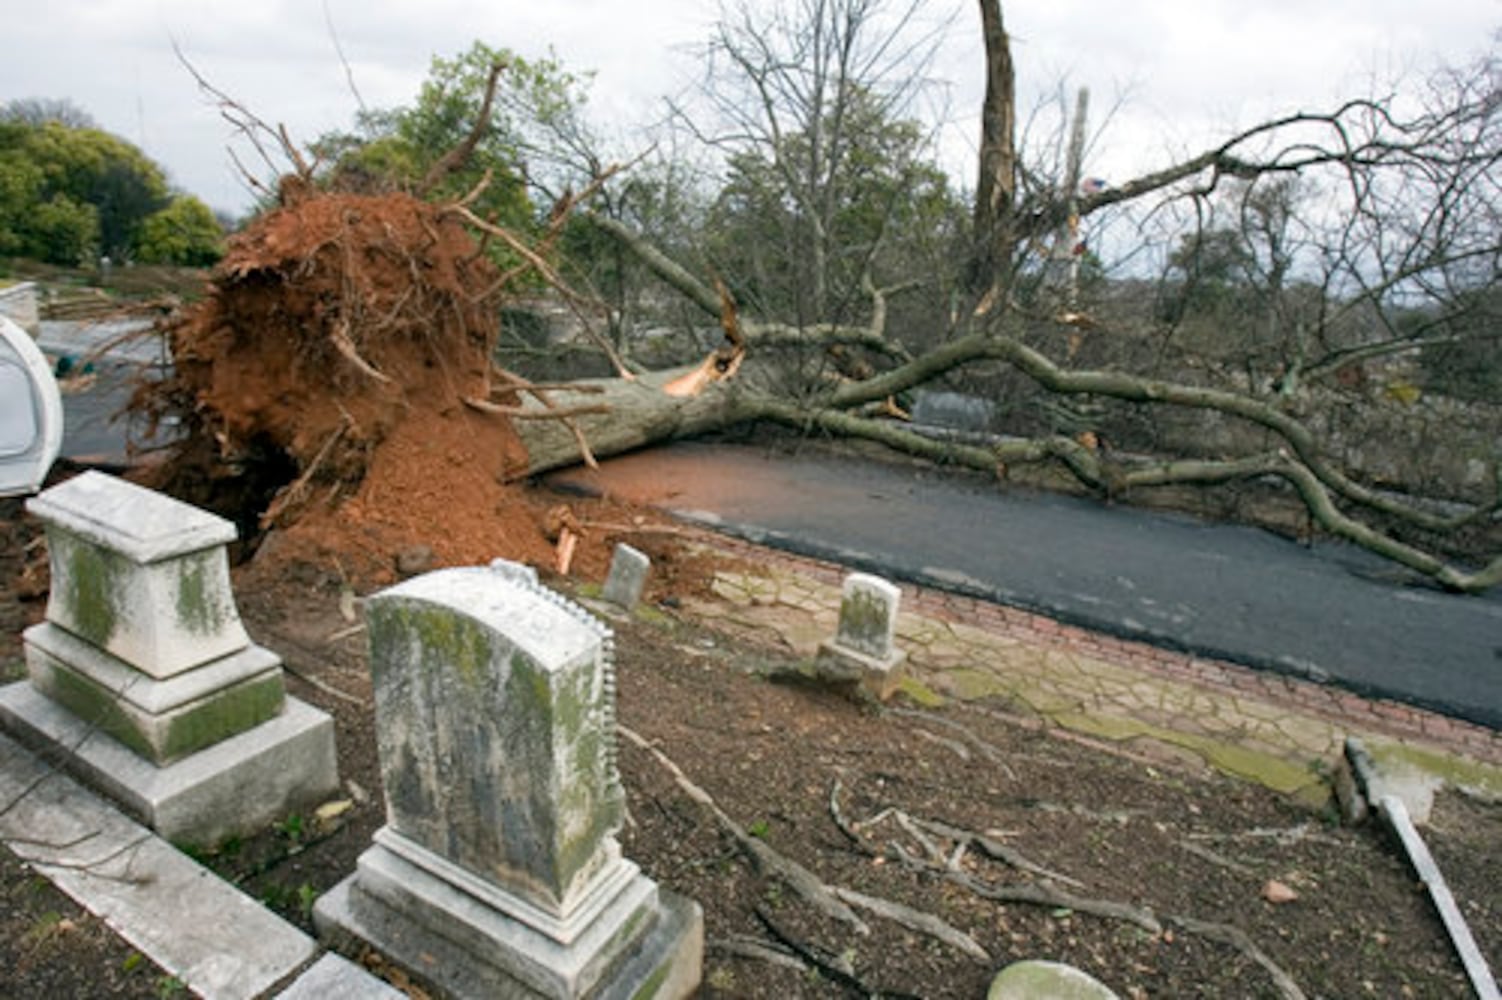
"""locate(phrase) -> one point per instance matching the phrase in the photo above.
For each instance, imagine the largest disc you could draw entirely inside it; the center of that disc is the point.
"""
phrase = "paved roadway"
(94, 430)
(1331, 613)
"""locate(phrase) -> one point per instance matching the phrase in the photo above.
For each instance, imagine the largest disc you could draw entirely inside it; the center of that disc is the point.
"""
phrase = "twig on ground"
(917, 829)
(985, 749)
(998, 851)
(1283, 836)
(1205, 854)
(959, 749)
(1046, 894)
(325, 687)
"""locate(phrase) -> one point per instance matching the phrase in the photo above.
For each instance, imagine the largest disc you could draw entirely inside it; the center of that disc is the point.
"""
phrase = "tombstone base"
(235, 787)
(643, 943)
(877, 678)
(162, 720)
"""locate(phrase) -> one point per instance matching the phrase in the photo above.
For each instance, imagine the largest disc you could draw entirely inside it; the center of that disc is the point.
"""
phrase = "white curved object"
(31, 412)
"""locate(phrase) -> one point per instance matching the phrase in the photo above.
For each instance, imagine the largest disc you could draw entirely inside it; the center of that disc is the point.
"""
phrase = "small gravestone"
(498, 872)
(863, 650)
(144, 679)
(627, 577)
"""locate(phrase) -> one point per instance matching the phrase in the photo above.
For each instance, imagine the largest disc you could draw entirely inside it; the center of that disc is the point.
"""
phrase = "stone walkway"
(1285, 733)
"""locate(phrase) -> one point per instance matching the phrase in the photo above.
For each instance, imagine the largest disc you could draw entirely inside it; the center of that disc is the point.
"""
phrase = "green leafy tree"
(399, 148)
(70, 193)
(185, 232)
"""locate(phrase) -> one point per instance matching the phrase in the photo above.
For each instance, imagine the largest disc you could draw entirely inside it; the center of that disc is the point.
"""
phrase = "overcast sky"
(1188, 70)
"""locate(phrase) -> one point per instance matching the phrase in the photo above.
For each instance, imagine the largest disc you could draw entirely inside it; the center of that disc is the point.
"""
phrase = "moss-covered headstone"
(142, 643)
(495, 724)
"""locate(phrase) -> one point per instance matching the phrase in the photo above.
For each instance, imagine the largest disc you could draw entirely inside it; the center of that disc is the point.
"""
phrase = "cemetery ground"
(839, 848)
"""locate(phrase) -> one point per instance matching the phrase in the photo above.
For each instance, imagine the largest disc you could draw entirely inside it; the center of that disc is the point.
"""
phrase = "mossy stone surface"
(88, 590)
(490, 711)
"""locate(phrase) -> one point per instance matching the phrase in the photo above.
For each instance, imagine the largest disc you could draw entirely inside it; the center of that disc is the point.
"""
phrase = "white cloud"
(1191, 69)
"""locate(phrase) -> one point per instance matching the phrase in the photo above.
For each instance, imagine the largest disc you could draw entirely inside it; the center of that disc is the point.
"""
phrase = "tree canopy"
(400, 148)
(70, 192)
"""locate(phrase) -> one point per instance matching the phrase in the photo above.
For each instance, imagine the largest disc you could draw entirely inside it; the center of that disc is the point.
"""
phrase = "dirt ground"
(1030, 845)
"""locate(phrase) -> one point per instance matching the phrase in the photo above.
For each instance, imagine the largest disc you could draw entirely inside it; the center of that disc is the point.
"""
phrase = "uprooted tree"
(1297, 258)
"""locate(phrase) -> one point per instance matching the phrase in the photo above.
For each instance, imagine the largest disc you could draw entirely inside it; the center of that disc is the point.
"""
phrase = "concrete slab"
(336, 978)
(236, 786)
(217, 941)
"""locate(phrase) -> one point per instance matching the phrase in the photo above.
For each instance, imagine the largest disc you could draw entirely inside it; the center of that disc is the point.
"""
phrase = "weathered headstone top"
(140, 524)
(1040, 980)
(868, 615)
(140, 575)
(494, 703)
(627, 577)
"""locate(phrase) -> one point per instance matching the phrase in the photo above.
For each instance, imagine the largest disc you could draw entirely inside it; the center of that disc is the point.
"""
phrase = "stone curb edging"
(1325, 701)
(217, 941)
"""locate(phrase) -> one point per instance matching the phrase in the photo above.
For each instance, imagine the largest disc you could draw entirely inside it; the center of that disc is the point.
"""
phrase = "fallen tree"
(339, 316)
(1363, 142)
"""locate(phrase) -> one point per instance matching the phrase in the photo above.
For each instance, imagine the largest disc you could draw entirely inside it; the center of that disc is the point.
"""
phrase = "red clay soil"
(321, 386)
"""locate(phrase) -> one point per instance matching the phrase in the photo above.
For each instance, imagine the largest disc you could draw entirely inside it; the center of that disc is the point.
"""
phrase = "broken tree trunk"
(639, 412)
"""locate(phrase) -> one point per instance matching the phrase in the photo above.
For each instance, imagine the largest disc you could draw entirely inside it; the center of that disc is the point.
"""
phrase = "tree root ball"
(320, 385)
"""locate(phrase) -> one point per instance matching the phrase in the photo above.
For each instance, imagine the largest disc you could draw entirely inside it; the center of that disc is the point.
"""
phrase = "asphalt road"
(94, 427)
(1330, 613)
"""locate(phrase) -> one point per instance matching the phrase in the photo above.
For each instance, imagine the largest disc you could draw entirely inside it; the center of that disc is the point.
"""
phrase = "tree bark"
(996, 187)
(639, 413)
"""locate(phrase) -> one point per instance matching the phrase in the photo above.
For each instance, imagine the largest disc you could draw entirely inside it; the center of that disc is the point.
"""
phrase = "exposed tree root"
(744, 946)
(833, 966)
(915, 920)
(834, 901)
(1237, 938)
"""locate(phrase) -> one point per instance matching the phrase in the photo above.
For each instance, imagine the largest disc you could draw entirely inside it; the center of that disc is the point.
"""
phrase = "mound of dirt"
(321, 388)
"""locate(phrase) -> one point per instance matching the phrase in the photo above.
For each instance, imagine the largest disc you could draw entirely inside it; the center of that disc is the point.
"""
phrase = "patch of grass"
(292, 828)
